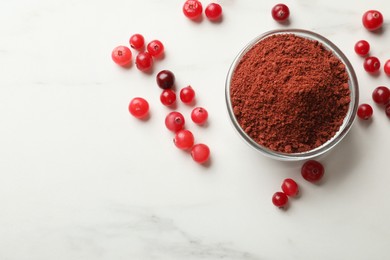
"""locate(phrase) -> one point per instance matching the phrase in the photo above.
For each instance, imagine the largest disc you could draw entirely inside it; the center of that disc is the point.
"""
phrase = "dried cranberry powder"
(290, 93)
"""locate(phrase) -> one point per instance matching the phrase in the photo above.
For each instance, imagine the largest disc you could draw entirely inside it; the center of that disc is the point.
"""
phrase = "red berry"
(121, 55)
(280, 12)
(155, 48)
(365, 111)
(372, 20)
(192, 9)
(279, 199)
(199, 115)
(312, 171)
(386, 68)
(184, 139)
(165, 79)
(137, 41)
(187, 94)
(362, 48)
(290, 187)
(139, 107)
(213, 11)
(174, 121)
(387, 110)
(168, 97)
(381, 95)
(372, 64)
(144, 61)
(200, 153)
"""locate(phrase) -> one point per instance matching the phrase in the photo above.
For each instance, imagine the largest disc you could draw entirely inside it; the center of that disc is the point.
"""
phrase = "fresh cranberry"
(192, 9)
(362, 48)
(144, 61)
(200, 153)
(381, 95)
(372, 64)
(187, 95)
(121, 55)
(279, 199)
(155, 48)
(290, 187)
(213, 11)
(137, 41)
(280, 12)
(168, 97)
(139, 107)
(365, 111)
(312, 171)
(174, 121)
(386, 68)
(184, 139)
(165, 79)
(199, 115)
(372, 20)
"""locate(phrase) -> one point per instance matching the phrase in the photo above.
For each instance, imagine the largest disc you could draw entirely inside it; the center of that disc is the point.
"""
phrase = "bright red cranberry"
(168, 97)
(372, 64)
(372, 20)
(280, 12)
(184, 139)
(365, 111)
(279, 199)
(312, 171)
(362, 48)
(381, 95)
(387, 110)
(144, 61)
(386, 68)
(139, 107)
(155, 48)
(192, 9)
(290, 187)
(137, 41)
(121, 55)
(200, 153)
(213, 12)
(165, 79)
(187, 95)
(174, 121)
(199, 115)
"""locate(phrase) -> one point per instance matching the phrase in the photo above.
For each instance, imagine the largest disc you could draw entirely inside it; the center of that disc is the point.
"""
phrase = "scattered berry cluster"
(122, 55)
(373, 20)
(193, 9)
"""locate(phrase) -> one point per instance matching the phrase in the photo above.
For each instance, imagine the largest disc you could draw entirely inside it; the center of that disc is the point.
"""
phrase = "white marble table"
(81, 179)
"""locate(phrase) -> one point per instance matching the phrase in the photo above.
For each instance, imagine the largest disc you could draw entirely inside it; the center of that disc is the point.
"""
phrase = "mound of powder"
(290, 93)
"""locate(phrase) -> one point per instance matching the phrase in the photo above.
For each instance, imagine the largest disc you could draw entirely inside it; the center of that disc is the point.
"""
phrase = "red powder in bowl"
(289, 93)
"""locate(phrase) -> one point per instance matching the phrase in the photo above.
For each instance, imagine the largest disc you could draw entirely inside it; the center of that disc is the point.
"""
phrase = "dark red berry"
(290, 187)
(312, 171)
(280, 12)
(372, 64)
(364, 111)
(372, 20)
(362, 48)
(165, 79)
(279, 199)
(381, 95)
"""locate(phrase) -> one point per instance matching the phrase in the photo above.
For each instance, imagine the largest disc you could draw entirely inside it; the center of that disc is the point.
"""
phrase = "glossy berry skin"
(362, 48)
(187, 95)
(174, 121)
(137, 41)
(371, 64)
(387, 110)
(199, 115)
(279, 199)
(184, 139)
(200, 153)
(386, 68)
(372, 20)
(280, 12)
(168, 97)
(365, 111)
(192, 9)
(121, 55)
(213, 11)
(165, 79)
(155, 48)
(290, 187)
(312, 171)
(139, 107)
(144, 61)
(381, 95)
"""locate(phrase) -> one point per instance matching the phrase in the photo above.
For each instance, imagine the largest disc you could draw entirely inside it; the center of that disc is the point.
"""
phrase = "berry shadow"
(285, 22)
(217, 21)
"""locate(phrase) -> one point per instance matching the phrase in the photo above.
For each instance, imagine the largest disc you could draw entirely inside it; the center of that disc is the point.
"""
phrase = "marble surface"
(81, 179)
